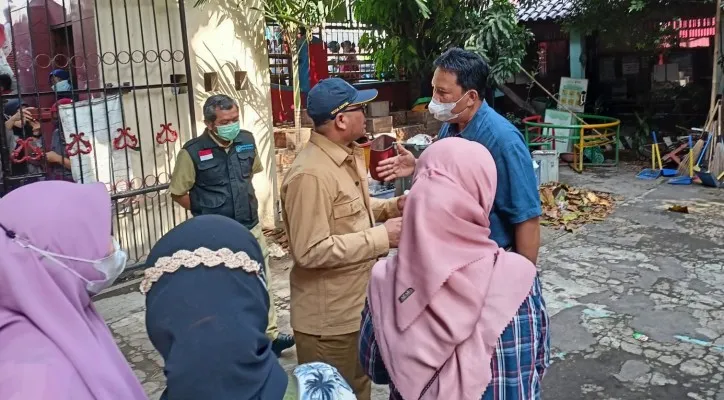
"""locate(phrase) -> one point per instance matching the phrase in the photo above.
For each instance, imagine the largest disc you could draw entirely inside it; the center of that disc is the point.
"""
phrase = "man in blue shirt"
(523, 351)
(458, 86)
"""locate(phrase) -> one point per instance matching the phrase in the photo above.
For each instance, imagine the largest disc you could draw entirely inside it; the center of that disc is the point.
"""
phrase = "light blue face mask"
(62, 86)
(228, 132)
(110, 267)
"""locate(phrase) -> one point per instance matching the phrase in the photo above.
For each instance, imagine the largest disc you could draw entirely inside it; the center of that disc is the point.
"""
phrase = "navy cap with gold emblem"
(331, 96)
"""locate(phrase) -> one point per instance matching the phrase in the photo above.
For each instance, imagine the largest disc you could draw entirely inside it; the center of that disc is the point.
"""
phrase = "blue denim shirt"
(516, 199)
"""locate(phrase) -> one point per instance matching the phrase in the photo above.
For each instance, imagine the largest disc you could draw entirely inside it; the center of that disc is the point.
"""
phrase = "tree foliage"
(495, 34)
(412, 33)
(408, 33)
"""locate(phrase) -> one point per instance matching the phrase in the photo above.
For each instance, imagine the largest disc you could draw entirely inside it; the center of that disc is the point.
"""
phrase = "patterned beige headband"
(192, 259)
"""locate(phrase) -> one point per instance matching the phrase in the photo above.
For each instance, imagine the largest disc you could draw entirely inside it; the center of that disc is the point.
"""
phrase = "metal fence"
(344, 57)
(126, 113)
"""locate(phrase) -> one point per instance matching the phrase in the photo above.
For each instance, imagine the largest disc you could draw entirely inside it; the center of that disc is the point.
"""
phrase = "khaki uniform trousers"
(272, 330)
(339, 351)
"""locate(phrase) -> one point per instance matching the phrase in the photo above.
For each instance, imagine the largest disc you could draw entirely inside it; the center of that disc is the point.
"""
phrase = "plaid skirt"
(519, 361)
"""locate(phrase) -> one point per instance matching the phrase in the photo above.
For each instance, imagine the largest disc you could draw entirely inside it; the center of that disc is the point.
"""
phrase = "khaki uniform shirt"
(329, 217)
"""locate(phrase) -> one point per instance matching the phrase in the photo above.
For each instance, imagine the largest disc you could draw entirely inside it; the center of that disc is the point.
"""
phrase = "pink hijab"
(440, 305)
(54, 343)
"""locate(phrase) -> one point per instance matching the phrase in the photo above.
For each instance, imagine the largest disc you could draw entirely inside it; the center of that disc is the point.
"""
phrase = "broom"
(716, 156)
(696, 151)
(708, 125)
(715, 150)
(716, 166)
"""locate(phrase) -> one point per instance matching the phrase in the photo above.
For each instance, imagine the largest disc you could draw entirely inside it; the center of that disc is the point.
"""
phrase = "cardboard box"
(280, 139)
(399, 118)
(414, 117)
(379, 124)
(284, 159)
(292, 141)
(378, 109)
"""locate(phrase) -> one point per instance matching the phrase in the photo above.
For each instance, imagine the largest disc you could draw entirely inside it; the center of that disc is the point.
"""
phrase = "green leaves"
(636, 5)
(417, 31)
(410, 33)
(494, 33)
(422, 6)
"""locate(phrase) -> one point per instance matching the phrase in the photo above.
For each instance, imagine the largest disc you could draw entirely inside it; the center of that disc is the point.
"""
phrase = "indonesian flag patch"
(205, 155)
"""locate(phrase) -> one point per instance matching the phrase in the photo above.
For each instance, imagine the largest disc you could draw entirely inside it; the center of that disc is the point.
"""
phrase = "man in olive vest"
(213, 176)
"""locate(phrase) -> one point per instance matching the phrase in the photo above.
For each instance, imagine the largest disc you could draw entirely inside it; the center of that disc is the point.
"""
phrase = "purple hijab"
(54, 343)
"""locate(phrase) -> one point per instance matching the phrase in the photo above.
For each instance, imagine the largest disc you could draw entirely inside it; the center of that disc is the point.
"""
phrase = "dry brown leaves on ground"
(277, 235)
(568, 208)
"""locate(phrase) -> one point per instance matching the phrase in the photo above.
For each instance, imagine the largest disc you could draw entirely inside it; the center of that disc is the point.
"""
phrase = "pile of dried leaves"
(568, 208)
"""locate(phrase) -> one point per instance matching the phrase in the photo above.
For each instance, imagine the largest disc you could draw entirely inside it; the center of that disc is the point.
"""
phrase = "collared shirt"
(329, 218)
(516, 197)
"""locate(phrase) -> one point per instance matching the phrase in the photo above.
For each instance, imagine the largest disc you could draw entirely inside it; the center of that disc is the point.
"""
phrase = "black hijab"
(209, 323)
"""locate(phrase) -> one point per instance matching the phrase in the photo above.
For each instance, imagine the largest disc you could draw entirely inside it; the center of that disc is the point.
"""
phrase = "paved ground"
(644, 270)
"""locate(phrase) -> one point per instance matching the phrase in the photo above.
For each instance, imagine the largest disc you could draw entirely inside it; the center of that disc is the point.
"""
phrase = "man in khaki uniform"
(213, 176)
(330, 220)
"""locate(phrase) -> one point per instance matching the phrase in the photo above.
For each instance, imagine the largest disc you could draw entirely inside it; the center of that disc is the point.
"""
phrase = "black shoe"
(281, 343)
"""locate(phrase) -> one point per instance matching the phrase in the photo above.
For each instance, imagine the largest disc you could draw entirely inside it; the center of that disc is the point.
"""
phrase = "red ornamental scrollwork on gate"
(78, 145)
(167, 134)
(26, 151)
(125, 139)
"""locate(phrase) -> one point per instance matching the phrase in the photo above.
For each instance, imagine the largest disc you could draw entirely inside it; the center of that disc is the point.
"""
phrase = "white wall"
(223, 38)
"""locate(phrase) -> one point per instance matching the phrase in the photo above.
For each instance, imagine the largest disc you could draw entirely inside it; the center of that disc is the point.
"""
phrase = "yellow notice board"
(572, 95)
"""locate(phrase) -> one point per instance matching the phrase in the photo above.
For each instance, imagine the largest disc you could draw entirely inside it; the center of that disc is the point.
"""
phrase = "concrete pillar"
(576, 43)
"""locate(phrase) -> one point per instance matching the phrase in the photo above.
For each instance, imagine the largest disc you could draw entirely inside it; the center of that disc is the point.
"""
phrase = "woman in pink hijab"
(451, 304)
(56, 251)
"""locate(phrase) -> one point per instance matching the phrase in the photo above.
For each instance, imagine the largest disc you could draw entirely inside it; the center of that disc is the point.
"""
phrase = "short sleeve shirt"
(516, 198)
(184, 173)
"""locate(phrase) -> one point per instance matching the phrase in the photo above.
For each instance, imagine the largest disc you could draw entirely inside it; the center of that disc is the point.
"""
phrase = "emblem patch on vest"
(205, 155)
(244, 147)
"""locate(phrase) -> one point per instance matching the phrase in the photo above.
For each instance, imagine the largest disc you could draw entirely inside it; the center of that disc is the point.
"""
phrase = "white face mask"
(443, 111)
(111, 267)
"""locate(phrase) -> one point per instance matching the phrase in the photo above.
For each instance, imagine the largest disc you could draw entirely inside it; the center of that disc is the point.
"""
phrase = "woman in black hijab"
(206, 314)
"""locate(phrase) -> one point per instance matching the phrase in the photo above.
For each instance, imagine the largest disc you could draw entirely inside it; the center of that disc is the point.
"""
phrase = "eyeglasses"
(353, 109)
(362, 108)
